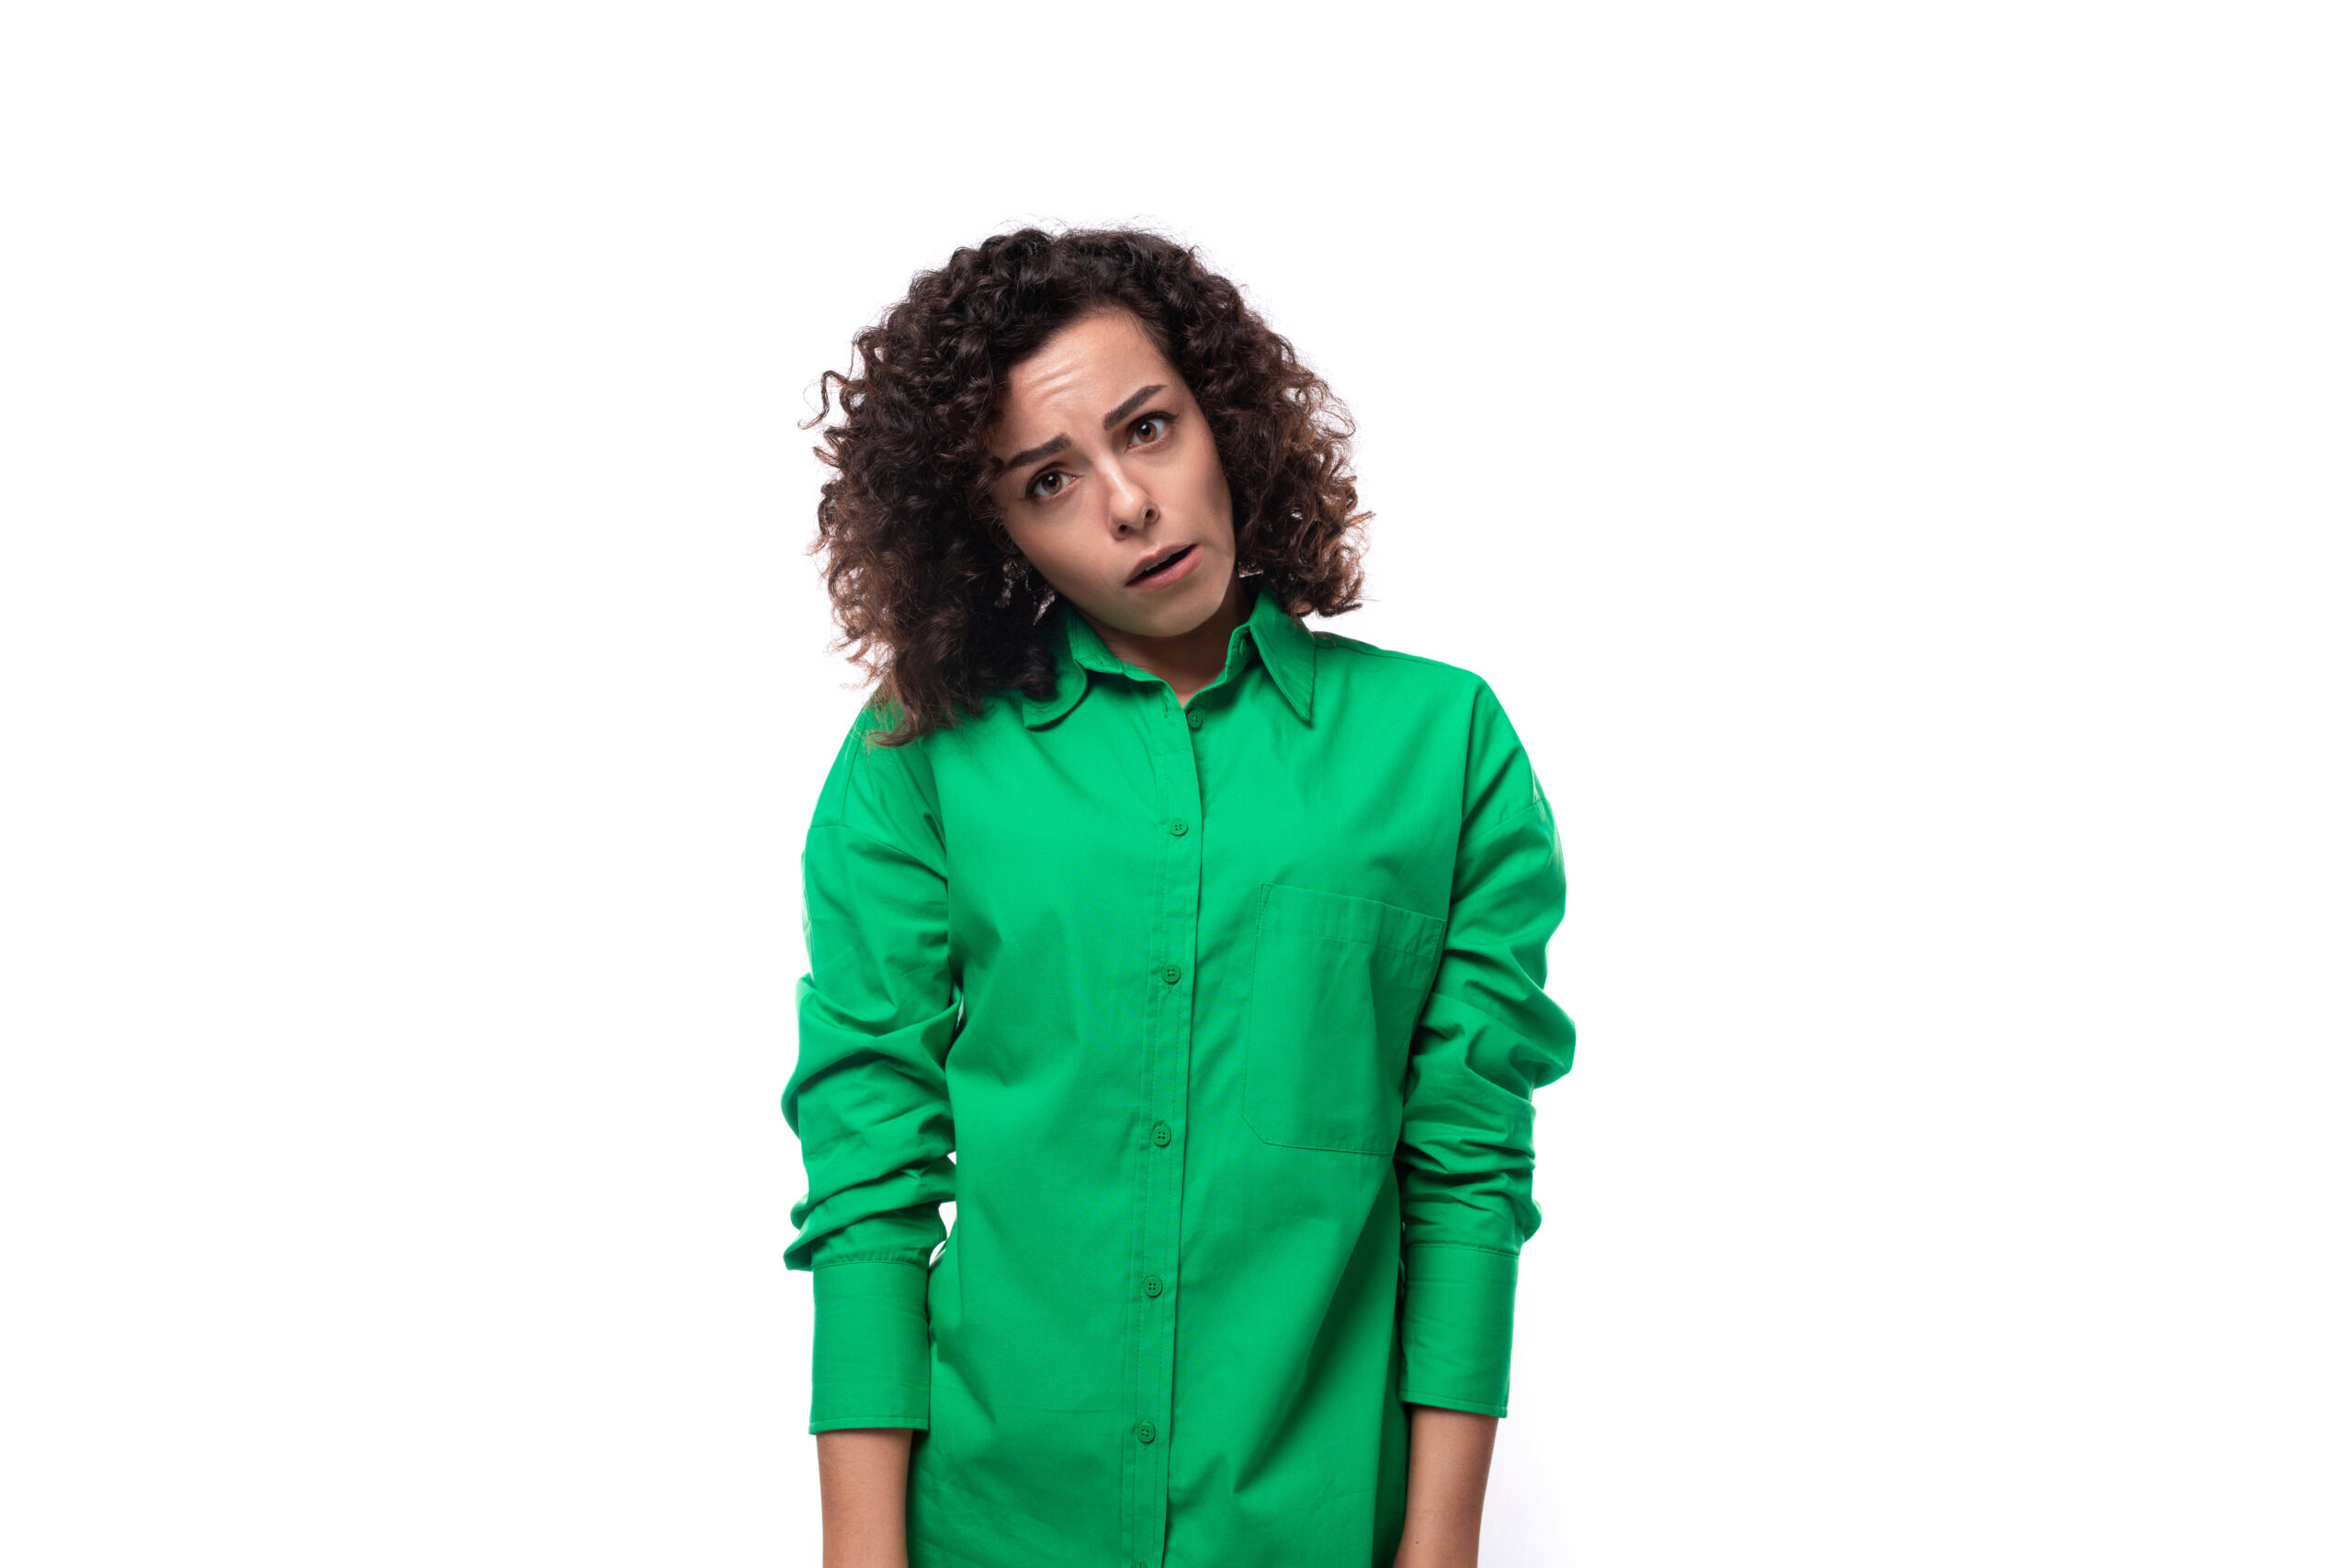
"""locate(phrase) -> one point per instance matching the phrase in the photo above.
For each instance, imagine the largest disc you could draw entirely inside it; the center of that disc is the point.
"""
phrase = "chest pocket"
(1337, 983)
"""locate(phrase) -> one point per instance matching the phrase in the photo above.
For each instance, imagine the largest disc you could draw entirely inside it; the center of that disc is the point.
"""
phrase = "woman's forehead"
(1081, 381)
(1103, 343)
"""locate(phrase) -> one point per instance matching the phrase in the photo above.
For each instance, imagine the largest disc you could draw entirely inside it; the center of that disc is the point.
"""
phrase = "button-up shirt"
(1230, 1012)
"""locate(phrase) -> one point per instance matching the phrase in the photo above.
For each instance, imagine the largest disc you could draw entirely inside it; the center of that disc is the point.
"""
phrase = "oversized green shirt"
(1230, 1012)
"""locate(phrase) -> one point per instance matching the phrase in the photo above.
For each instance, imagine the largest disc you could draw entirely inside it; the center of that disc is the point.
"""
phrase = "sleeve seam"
(1440, 1402)
(1465, 1246)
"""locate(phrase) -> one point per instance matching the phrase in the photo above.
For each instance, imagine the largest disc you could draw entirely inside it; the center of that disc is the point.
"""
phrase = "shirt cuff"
(1456, 1324)
(872, 1361)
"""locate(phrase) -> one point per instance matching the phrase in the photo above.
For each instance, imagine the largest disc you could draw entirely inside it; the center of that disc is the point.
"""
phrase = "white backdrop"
(1890, 461)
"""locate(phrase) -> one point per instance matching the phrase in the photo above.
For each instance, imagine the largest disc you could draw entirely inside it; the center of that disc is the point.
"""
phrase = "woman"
(1212, 947)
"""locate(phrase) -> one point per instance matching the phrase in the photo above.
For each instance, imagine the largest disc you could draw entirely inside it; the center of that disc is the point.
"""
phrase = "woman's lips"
(1180, 567)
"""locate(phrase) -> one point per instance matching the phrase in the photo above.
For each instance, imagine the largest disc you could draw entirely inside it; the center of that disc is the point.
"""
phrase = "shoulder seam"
(1514, 814)
(857, 743)
(892, 845)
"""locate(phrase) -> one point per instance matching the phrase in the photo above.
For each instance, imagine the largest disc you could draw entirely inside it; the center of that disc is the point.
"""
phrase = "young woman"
(1212, 947)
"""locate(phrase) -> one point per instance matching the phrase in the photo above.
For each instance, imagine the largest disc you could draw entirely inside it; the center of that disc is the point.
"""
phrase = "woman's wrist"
(1445, 1495)
(862, 1482)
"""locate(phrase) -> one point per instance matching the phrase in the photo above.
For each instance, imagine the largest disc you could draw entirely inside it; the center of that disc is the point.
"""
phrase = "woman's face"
(1110, 466)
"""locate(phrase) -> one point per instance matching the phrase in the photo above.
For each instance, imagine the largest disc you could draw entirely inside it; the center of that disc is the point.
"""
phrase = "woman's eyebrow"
(1047, 450)
(1133, 403)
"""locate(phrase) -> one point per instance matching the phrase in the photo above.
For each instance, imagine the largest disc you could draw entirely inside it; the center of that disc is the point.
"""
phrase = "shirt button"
(1193, 719)
(1180, 826)
(1159, 1132)
(1146, 1431)
(1172, 973)
(1151, 1286)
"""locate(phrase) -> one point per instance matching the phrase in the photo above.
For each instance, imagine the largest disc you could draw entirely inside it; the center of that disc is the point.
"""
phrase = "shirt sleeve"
(867, 1098)
(1487, 1037)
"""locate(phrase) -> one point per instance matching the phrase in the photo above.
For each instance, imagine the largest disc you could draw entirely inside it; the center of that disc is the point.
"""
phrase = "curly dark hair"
(928, 589)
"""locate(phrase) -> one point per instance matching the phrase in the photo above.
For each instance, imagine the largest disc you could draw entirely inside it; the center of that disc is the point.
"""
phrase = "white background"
(1890, 461)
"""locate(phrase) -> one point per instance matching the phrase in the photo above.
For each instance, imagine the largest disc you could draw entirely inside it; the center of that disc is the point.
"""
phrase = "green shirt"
(1231, 1012)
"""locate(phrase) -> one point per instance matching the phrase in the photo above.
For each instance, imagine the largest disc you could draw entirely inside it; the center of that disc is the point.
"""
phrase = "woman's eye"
(1163, 421)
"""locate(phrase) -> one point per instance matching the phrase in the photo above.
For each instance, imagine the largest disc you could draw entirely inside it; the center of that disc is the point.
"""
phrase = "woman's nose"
(1130, 502)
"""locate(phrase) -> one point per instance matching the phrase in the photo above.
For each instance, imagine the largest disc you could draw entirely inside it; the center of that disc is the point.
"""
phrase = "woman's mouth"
(1169, 570)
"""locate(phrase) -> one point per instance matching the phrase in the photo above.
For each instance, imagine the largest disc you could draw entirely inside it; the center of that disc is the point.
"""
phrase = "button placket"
(1176, 920)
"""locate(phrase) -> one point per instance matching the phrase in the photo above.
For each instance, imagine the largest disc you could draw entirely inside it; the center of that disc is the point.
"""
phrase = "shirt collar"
(1284, 646)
